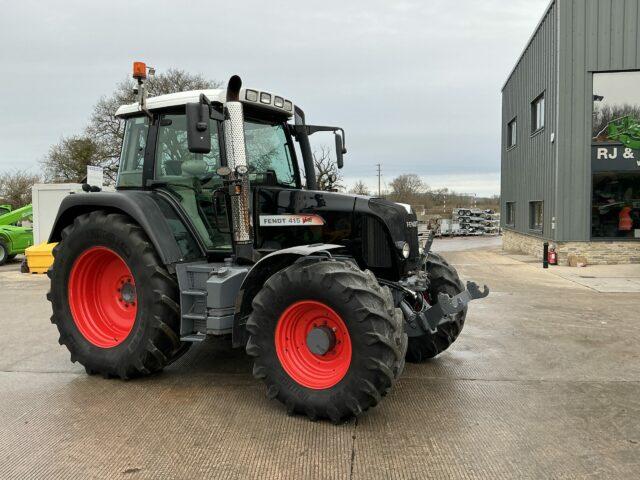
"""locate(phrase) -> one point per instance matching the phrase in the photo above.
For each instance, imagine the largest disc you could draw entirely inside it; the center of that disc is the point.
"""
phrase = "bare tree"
(360, 188)
(108, 130)
(15, 187)
(328, 176)
(407, 188)
(67, 160)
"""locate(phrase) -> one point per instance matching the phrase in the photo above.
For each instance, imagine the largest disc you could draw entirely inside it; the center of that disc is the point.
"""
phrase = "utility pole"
(379, 193)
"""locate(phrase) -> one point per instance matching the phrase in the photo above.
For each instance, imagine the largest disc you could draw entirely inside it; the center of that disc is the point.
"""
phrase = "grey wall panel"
(528, 170)
(594, 35)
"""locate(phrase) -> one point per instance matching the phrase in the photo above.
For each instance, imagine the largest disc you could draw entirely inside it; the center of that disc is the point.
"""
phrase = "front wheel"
(326, 338)
(114, 303)
(443, 278)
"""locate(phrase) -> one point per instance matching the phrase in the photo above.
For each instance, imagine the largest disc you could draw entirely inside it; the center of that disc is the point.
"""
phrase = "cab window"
(173, 158)
(191, 179)
(132, 155)
(268, 154)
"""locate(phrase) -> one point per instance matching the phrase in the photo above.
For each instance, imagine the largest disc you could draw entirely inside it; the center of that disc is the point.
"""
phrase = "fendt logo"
(412, 224)
(289, 220)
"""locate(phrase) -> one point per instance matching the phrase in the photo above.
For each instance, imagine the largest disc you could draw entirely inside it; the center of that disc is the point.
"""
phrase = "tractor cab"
(175, 144)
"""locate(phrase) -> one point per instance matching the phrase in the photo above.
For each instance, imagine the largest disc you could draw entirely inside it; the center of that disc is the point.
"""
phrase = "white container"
(46, 200)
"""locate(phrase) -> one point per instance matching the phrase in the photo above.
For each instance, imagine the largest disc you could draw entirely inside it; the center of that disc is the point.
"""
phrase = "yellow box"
(40, 257)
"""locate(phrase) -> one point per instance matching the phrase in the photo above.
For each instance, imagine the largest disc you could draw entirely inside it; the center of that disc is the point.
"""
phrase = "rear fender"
(260, 273)
(141, 206)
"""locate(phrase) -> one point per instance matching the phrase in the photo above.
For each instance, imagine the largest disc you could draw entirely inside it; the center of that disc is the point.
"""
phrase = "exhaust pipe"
(237, 162)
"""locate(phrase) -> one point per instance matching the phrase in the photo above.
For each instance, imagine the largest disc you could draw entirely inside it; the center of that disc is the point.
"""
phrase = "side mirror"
(198, 130)
(339, 151)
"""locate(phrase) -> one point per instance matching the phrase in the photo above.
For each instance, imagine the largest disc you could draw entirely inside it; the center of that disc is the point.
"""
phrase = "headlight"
(404, 248)
(278, 102)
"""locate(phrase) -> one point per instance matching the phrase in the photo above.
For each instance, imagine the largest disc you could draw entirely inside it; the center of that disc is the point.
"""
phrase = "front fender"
(260, 273)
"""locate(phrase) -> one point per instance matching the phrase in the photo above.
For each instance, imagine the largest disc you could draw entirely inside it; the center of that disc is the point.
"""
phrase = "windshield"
(268, 153)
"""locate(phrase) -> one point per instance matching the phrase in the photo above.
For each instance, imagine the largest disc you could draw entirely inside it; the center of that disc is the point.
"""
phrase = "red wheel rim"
(305, 367)
(102, 297)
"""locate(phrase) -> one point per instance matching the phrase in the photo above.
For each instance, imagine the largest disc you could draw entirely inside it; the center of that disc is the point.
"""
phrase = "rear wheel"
(443, 278)
(326, 338)
(114, 303)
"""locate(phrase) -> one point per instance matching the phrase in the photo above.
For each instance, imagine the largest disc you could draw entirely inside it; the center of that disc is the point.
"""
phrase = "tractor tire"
(4, 253)
(361, 351)
(443, 278)
(114, 303)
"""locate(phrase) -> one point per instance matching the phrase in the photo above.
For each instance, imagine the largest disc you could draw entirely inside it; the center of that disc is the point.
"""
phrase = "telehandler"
(14, 238)
(216, 230)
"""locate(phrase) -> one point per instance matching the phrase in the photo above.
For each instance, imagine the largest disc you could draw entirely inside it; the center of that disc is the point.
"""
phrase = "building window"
(615, 209)
(615, 156)
(512, 131)
(537, 114)
(510, 214)
(535, 216)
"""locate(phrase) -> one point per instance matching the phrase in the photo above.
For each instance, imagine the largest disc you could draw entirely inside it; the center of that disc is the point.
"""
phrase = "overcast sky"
(416, 84)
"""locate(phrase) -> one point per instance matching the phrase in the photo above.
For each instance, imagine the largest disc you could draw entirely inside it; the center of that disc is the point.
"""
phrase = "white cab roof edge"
(181, 98)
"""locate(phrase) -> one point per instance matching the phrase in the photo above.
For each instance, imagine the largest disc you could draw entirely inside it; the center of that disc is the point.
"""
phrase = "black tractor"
(215, 230)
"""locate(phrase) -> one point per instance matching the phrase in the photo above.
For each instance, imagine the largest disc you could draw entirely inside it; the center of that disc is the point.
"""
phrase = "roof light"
(288, 106)
(251, 95)
(265, 97)
(278, 102)
(139, 70)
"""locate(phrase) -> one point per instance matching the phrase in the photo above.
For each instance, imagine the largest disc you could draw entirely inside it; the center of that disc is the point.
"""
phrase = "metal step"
(195, 316)
(194, 337)
(194, 293)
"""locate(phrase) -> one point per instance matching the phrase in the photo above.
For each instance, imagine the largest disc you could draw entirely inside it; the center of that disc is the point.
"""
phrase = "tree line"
(411, 189)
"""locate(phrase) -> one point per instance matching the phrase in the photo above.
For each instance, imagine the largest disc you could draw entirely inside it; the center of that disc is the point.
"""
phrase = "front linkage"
(426, 309)
(430, 317)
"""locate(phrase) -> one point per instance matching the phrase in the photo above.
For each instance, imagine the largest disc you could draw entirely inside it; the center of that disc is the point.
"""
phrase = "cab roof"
(249, 96)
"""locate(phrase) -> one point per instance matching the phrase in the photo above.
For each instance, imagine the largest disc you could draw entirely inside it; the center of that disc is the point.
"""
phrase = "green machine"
(14, 239)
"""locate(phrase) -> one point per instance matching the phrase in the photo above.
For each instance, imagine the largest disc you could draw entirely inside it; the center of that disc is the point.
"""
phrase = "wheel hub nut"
(321, 340)
(128, 293)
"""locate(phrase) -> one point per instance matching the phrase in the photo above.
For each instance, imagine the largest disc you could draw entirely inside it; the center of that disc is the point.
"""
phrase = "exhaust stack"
(237, 162)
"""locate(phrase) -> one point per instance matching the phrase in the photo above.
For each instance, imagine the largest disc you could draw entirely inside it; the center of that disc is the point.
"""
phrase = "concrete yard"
(544, 382)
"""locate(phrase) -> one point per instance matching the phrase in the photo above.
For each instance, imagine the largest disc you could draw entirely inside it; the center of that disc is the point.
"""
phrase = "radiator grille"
(375, 244)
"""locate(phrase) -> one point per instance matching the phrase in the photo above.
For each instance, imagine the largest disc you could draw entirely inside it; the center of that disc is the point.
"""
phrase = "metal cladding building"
(571, 134)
